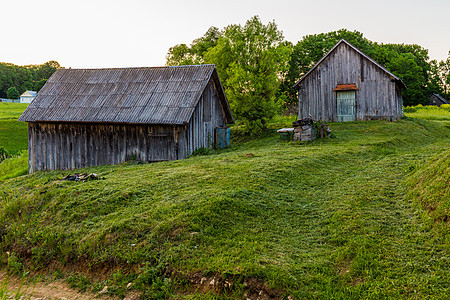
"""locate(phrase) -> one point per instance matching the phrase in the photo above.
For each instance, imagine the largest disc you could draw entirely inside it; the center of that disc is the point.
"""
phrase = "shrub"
(201, 151)
(410, 109)
(14, 266)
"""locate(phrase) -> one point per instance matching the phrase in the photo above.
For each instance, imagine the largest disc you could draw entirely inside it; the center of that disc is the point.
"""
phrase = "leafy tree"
(444, 67)
(410, 63)
(439, 76)
(45, 70)
(250, 60)
(25, 77)
(12, 93)
(182, 54)
(39, 84)
(404, 66)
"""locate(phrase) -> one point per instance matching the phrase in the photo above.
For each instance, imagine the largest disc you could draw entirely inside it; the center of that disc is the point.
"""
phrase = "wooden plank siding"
(208, 115)
(73, 145)
(378, 95)
(90, 117)
(68, 146)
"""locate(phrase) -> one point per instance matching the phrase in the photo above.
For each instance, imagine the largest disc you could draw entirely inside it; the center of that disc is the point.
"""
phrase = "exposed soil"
(252, 288)
(57, 289)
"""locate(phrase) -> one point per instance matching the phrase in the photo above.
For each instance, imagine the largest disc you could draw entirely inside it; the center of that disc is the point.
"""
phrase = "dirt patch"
(247, 288)
(57, 289)
(229, 285)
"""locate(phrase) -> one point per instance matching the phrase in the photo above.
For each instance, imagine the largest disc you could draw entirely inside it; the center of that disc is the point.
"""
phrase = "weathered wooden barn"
(436, 99)
(89, 117)
(347, 85)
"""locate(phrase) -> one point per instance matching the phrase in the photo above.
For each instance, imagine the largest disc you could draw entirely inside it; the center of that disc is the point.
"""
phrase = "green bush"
(410, 109)
(14, 266)
(78, 281)
(201, 151)
(4, 154)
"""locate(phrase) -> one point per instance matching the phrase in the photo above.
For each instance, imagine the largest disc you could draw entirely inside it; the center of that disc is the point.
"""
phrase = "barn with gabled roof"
(89, 117)
(436, 99)
(348, 85)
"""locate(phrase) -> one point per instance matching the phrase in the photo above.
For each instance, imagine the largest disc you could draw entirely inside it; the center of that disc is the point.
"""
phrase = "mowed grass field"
(13, 134)
(355, 216)
(13, 141)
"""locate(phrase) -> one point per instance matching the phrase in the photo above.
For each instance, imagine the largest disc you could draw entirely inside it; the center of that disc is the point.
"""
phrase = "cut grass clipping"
(332, 218)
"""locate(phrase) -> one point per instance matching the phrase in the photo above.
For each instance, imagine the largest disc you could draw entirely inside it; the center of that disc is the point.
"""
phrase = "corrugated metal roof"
(159, 95)
(439, 96)
(397, 79)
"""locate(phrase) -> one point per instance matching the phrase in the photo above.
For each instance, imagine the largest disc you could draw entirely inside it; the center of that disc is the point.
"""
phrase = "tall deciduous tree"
(250, 60)
(182, 54)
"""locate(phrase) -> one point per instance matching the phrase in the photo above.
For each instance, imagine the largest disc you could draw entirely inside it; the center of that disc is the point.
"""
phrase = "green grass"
(326, 219)
(429, 112)
(430, 186)
(11, 110)
(362, 215)
(14, 166)
(13, 134)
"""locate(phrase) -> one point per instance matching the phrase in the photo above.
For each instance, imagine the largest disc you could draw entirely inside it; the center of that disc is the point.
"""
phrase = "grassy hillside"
(430, 186)
(326, 219)
(13, 134)
(13, 141)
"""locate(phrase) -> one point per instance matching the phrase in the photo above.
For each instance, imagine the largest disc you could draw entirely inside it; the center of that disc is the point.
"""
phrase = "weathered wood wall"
(208, 115)
(64, 146)
(377, 95)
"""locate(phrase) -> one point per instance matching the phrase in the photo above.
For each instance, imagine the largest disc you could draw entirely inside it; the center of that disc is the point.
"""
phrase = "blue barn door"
(346, 106)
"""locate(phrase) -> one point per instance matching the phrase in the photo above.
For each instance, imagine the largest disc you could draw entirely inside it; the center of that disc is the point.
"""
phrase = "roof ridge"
(138, 68)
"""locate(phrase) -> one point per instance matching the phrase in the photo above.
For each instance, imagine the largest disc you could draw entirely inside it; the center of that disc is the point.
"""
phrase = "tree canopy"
(182, 54)
(250, 60)
(258, 67)
(30, 77)
(12, 93)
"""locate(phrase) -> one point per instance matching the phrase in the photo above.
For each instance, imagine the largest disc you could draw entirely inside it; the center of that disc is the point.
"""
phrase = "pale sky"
(138, 33)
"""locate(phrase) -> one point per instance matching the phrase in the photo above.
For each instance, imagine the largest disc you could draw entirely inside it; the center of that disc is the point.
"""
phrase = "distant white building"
(27, 97)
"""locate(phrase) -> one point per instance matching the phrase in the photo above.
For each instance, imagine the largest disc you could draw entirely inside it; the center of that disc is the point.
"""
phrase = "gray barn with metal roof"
(436, 99)
(88, 117)
(347, 85)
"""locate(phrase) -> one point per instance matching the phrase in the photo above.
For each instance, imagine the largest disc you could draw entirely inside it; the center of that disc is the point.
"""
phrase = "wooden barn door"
(346, 106)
